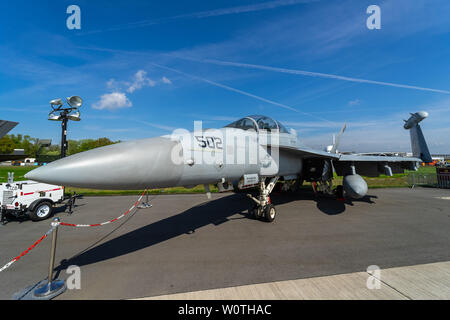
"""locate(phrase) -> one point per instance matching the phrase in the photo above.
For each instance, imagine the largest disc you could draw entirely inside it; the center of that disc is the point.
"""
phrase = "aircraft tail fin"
(337, 141)
(419, 145)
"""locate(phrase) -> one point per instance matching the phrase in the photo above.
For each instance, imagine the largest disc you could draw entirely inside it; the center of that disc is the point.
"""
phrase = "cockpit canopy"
(257, 122)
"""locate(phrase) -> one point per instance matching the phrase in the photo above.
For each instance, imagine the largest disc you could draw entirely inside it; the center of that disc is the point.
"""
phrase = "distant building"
(18, 154)
(442, 157)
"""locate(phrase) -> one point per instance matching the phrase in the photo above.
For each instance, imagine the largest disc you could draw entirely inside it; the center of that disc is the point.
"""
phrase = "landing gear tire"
(257, 212)
(252, 212)
(270, 213)
(42, 211)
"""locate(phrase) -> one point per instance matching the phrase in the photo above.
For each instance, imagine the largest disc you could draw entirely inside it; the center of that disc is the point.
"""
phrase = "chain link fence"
(438, 179)
(423, 179)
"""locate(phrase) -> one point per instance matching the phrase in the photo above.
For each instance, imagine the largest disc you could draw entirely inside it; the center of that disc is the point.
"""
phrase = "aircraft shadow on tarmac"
(332, 206)
(326, 204)
(213, 212)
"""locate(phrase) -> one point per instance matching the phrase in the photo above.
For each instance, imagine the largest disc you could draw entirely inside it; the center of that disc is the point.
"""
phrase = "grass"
(19, 172)
(175, 190)
(399, 180)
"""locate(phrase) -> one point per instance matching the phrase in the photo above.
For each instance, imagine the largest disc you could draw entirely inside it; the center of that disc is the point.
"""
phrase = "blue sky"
(145, 68)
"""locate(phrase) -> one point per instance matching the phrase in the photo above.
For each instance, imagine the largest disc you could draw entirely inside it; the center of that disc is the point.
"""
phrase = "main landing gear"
(325, 187)
(263, 209)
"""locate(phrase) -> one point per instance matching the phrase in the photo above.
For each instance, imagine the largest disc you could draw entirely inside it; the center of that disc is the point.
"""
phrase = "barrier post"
(146, 204)
(53, 287)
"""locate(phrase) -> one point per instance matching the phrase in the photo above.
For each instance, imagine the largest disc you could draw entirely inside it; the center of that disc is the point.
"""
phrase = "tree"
(10, 142)
(73, 147)
(7, 145)
(89, 144)
(31, 145)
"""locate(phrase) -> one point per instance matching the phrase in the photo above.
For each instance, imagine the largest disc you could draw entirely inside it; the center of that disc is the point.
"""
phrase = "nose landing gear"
(263, 209)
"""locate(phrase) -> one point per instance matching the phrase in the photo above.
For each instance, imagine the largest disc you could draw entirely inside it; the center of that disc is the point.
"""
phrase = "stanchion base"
(144, 205)
(50, 290)
(29, 292)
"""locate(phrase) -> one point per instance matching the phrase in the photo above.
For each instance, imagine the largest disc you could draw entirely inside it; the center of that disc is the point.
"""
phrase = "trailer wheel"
(42, 211)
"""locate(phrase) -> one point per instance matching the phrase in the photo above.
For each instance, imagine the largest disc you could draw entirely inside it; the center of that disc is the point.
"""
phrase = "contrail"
(241, 92)
(205, 14)
(245, 8)
(317, 74)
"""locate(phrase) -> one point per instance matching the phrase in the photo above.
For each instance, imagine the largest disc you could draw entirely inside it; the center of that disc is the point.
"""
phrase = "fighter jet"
(255, 151)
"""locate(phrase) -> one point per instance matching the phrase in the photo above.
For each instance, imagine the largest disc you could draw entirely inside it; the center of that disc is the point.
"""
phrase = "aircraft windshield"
(244, 124)
(263, 123)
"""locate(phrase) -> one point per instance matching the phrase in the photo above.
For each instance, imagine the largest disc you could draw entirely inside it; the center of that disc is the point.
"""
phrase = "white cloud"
(166, 81)
(387, 134)
(118, 99)
(112, 101)
(140, 80)
(112, 84)
(355, 102)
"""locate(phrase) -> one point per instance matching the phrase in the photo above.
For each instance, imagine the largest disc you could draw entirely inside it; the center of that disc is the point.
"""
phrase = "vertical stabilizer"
(418, 144)
(337, 141)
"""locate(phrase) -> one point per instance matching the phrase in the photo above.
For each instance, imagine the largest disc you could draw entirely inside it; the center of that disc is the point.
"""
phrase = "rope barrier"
(56, 224)
(106, 222)
(6, 266)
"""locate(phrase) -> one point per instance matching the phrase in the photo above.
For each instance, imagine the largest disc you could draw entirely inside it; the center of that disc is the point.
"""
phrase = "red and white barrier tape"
(6, 266)
(55, 224)
(106, 222)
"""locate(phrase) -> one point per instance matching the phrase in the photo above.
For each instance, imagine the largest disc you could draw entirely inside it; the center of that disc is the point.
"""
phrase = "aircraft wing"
(6, 126)
(373, 166)
(312, 153)
(306, 152)
(357, 157)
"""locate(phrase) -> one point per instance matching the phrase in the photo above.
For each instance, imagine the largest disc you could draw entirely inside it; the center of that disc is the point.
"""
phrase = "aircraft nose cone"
(130, 165)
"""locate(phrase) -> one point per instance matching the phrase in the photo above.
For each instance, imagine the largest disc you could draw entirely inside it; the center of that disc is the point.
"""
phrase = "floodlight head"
(56, 102)
(54, 117)
(75, 116)
(75, 101)
(45, 142)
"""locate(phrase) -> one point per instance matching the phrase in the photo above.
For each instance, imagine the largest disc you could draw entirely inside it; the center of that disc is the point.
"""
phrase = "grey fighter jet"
(255, 151)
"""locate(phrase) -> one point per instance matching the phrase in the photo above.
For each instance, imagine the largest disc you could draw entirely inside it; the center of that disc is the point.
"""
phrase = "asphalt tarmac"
(187, 243)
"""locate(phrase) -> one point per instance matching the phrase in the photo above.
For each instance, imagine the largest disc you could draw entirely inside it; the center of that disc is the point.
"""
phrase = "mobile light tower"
(59, 113)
